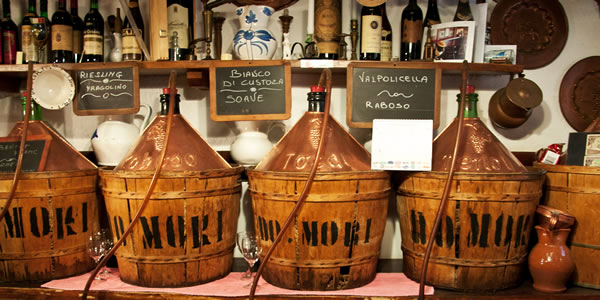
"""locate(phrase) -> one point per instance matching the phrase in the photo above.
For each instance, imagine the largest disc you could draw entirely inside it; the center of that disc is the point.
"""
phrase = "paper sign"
(402, 145)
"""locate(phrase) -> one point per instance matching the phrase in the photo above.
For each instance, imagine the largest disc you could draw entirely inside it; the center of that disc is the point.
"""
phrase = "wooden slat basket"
(576, 190)
(482, 244)
(186, 234)
(47, 225)
(335, 241)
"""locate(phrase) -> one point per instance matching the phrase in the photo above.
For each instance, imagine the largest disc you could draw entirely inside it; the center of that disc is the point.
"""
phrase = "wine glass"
(40, 32)
(98, 245)
(249, 247)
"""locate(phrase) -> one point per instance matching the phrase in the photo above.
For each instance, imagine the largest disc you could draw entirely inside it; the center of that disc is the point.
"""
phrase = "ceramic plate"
(579, 101)
(53, 88)
(539, 28)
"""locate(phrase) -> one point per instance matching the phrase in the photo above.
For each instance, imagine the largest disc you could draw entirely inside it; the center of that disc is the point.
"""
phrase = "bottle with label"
(93, 35)
(131, 49)
(30, 52)
(180, 19)
(45, 54)
(370, 33)
(9, 36)
(412, 31)
(386, 36)
(77, 32)
(432, 16)
(328, 20)
(62, 34)
(463, 11)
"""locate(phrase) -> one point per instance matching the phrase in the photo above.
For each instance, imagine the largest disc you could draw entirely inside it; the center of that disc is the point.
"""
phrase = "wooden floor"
(525, 291)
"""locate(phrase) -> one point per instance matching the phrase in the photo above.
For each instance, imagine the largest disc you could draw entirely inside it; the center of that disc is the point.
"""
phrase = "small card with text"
(402, 145)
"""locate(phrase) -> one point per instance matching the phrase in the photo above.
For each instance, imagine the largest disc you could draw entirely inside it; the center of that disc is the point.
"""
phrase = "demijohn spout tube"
(444, 200)
(325, 75)
(138, 214)
(15, 182)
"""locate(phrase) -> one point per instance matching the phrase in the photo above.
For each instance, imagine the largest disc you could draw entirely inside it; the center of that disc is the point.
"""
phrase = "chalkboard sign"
(392, 91)
(108, 90)
(34, 157)
(250, 90)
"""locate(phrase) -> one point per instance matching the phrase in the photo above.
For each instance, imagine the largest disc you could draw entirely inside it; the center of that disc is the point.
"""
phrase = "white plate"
(53, 88)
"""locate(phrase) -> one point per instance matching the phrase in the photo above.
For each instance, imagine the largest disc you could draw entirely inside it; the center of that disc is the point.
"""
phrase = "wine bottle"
(93, 35)
(36, 109)
(46, 53)
(62, 34)
(463, 11)
(328, 20)
(432, 16)
(77, 32)
(131, 48)
(180, 19)
(370, 33)
(9, 36)
(165, 100)
(412, 31)
(30, 52)
(386, 36)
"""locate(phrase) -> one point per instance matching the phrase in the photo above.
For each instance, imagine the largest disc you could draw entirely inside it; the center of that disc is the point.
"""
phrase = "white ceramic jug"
(113, 138)
(251, 143)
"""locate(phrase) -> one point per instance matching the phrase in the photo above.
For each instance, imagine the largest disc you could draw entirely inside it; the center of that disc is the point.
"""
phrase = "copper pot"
(510, 107)
(552, 218)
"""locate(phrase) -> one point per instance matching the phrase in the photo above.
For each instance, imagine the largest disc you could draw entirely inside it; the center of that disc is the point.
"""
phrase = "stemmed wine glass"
(98, 246)
(248, 245)
(41, 34)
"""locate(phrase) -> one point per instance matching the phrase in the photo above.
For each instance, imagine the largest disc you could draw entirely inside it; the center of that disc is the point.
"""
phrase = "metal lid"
(62, 156)
(187, 150)
(480, 150)
(295, 152)
(524, 93)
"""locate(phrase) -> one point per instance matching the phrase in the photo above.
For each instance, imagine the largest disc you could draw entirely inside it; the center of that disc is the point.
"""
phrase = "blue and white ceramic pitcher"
(254, 41)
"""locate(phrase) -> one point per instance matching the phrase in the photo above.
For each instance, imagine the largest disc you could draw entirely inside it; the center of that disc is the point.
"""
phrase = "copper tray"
(578, 97)
(275, 4)
(539, 28)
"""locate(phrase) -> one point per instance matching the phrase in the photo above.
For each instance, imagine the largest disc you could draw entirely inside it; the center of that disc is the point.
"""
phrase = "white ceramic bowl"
(53, 88)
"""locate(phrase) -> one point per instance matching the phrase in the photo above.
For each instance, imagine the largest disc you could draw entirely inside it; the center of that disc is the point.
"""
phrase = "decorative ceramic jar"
(550, 261)
(254, 41)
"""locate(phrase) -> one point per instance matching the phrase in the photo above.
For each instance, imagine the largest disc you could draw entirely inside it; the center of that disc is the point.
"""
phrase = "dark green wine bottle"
(93, 35)
(77, 31)
(370, 33)
(30, 52)
(62, 34)
(9, 36)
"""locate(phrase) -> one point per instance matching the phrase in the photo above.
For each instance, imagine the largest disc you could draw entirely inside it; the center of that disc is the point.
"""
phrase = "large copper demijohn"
(191, 215)
(336, 240)
(482, 241)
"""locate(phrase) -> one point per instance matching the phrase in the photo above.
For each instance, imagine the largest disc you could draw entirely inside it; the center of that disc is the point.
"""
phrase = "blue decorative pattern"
(251, 18)
(247, 35)
(267, 11)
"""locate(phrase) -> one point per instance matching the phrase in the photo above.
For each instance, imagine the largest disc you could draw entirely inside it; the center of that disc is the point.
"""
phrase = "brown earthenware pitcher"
(550, 260)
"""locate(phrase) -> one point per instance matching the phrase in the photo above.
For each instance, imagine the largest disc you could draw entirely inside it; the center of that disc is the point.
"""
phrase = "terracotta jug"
(550, 260)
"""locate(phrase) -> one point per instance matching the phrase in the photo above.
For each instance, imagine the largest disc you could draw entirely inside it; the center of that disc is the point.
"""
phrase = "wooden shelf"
(164, 67)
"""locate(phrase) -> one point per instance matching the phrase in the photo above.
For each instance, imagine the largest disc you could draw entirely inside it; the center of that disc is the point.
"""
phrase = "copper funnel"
(479, 151)
(62, 156)
(187, 150)
(295, 152)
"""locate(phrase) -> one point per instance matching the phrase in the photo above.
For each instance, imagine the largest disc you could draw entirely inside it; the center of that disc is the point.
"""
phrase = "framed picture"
(453, 41)
(502, 54)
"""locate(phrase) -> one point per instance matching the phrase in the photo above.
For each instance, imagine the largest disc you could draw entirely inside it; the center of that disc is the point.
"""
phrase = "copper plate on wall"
(580, 93)
(275, 4)
(539, 28)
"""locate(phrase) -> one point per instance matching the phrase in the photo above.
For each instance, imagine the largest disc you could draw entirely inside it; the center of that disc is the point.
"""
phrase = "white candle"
(310, 28)
(352, 9)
